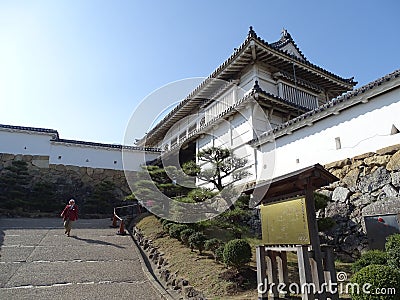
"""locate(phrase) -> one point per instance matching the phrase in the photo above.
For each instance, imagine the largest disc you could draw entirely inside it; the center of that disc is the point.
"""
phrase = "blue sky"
(81, 67)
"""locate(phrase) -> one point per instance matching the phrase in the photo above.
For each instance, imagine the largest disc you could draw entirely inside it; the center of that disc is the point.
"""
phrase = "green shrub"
(212, 244)
(325, 224)
(185, 234)
(196, 241)
(371, 257)
(376, 278)
(167, 226)
(237, 253)
(321, 201)
(219, 253)
(176, 229)
(393, 250)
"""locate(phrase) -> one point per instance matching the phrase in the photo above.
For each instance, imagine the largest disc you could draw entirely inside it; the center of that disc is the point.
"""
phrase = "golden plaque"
(285, 223)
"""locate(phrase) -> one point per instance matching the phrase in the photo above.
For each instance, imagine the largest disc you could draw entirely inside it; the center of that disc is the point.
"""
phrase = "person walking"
(69, 215)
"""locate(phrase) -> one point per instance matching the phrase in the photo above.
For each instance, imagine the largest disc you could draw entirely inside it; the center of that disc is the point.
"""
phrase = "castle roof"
(52, 132)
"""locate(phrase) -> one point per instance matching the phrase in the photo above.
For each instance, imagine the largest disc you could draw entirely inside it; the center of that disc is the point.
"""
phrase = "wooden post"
(305, 273)
(262, 282)
(273, 274)
(282, 269)
(314, 239)
(330, 271)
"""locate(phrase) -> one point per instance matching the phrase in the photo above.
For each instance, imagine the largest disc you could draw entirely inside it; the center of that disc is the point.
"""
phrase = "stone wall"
(369, 185)
(69, 181)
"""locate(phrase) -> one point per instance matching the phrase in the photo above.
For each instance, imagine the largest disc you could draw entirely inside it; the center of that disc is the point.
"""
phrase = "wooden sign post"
(289, 224)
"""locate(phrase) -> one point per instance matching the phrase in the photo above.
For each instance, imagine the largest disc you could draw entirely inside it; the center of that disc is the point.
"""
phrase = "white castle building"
(267, 102)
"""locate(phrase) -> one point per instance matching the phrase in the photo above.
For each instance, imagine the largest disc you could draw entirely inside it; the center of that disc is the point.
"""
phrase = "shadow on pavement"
(90, 241)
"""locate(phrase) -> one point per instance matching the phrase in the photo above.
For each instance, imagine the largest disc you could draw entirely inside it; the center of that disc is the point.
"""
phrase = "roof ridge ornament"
(252, 33)
(256, 87)
(285, 35)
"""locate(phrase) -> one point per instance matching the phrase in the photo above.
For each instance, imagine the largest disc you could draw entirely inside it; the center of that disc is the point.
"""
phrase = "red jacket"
(70, 212)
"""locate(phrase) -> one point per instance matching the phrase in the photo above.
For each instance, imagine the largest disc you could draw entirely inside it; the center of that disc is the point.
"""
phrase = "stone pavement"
(39, 261)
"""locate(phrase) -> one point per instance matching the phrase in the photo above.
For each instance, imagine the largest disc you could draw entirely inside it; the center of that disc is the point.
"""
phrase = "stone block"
(394, 162)
(390, 191)
(395, 179)
(362, 156)
(374, 181)
(389, 150)
(377, 160)
(338, 164)
(340, 194)
(350, 180)
(381, 207)
(41, 163)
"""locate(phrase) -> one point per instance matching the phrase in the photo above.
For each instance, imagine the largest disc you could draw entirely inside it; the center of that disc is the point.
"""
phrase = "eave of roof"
(31, 129)
(323, 111)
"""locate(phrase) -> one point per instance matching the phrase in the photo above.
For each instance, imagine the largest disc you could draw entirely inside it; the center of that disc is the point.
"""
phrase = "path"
(39, 261)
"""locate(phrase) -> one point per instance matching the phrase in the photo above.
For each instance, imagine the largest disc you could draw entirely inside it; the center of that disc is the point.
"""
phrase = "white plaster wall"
(95, 157)
(362, 128)
(28, 143)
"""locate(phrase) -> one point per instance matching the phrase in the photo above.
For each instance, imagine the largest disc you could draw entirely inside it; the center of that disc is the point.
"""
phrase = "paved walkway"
(39, 261)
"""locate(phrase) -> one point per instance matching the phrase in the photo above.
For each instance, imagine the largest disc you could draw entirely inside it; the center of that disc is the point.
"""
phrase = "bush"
(237, 253)
(176, 229)
(167, 226)
(393, 250)
(379, 278)
(212, 244)
(185, 234)
(196, 241)
(321, 201)
(371, 257)
(325, 224)
(219, 253)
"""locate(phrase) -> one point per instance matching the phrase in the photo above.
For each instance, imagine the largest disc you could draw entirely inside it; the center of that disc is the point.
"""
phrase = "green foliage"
(153, 181)
(371, 257)
(167, 225)
(196, 241)
(235, 216)
(201, 194)
(103, 199)
(237, 253)
(393, 250)
(14, 182)
(219, 253)
(213, 245)
(185, 234)
(378, 277)
(321, 201)
(325, 223)
(44, 199)
(222, 164)
(243, 201)
(176, 229)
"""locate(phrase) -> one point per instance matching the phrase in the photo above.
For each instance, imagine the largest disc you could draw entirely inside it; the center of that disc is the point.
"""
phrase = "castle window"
(115, 162)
